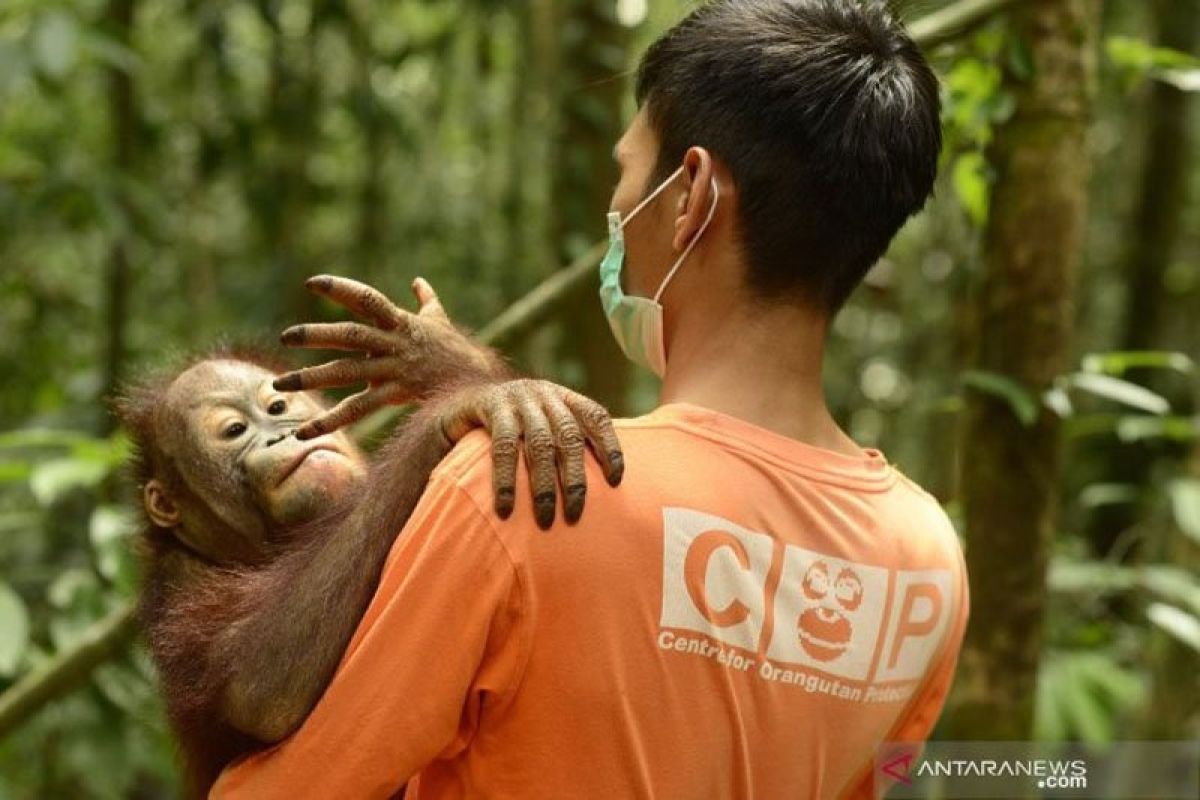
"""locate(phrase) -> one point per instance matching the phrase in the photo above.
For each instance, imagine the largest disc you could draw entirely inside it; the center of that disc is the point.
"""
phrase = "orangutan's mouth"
(301, 457)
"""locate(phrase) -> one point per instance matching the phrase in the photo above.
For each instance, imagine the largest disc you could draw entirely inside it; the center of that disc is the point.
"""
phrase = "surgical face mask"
(637, 322)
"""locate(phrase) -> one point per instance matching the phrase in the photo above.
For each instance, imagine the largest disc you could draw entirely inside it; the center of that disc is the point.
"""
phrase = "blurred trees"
(171, 170)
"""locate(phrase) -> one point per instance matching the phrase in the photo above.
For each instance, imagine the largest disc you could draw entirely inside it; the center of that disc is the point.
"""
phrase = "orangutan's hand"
(554, 422)
(408, 356)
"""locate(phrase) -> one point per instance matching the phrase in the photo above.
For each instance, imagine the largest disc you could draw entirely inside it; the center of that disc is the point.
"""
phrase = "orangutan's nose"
(279, 438)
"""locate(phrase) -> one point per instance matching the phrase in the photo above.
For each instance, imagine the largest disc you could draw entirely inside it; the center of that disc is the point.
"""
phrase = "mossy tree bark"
(1010, 471)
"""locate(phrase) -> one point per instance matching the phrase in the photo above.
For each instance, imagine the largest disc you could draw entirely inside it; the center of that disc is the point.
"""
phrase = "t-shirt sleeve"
(440, 640)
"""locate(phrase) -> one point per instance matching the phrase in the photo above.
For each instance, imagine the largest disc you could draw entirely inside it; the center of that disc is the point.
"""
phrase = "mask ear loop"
(651, 196)
(711, 213)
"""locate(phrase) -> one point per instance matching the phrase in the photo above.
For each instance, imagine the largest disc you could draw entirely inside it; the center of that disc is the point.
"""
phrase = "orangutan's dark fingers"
(570, 449)
(343, 372)
(501, 420)
(539, 450)
(338, 336)
(349, 411)
(365, 301)
(431, 306)
(601, 435)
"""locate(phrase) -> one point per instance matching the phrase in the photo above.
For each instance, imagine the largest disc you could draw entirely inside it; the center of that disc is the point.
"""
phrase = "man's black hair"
(827, 115)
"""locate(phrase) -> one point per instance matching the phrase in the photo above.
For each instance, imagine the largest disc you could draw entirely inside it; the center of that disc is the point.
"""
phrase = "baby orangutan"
(266, 528)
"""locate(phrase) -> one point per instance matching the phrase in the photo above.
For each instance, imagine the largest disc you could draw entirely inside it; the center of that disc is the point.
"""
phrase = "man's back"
(745, 616)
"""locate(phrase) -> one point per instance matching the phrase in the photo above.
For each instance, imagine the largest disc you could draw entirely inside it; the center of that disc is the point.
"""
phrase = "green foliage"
(974, 102)
(1137, 59)
(1081, 695)
(66, 546)
(1185, 505)
(14, 630)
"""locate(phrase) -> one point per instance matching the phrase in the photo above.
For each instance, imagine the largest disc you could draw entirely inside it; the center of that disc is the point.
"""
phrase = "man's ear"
(695, 206)
(160, 507)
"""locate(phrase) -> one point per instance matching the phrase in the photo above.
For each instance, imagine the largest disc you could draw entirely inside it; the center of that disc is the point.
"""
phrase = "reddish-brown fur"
(187, 603)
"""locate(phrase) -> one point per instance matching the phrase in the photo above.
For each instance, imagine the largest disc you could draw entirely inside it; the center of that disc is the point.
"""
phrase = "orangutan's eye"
(234, 431)
(277, 408)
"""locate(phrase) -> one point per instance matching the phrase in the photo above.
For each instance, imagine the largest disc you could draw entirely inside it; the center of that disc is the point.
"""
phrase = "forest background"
(171, 171)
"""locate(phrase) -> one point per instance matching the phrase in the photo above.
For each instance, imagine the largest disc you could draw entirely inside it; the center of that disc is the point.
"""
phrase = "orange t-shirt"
(745, 616)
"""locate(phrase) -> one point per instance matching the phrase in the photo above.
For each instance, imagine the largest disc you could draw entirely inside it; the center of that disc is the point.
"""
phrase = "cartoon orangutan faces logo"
(824, 629)
(852, 620)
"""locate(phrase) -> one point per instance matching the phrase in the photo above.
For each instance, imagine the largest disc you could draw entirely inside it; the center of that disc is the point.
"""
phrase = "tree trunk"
(122, 114)
(1010, 472)
(594, 45)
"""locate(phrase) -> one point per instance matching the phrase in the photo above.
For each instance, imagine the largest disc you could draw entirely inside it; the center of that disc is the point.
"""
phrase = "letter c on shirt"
(695, 569)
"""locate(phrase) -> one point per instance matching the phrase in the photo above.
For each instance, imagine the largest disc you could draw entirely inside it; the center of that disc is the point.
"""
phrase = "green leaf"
(52, 479)
(1018, 397)
(1117, 362)
(1185, 80)
(1175, 428)
(971, 186)
(15, 471)
(1020, 59)
(1140, 56)
(26, 438)
(1164, 581)
(14, 630)
(1185, 505)
(55, 43)
(1101, 494)
(1057, 400)
(1120, 391)
(1183, 626)
(108, 529)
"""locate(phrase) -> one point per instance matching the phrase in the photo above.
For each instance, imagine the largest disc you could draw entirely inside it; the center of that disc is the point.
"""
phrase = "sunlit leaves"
(52, 479)
(109, 531)
(1120, 391)
(1118, 362)
(1183, 626)
(1138, 59)
(1185, 505)
(55, 43)
(86, 462)
(970, 177)
(14, 630)
(1164, 582)
(973, 103)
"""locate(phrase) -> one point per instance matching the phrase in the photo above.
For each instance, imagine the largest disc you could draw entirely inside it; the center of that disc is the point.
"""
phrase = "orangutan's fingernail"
(616, 468)
(287, 383)
(543, 509)
(573, 502)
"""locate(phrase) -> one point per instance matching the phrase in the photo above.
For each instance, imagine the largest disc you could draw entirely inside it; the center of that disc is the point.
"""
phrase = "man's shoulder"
(469, 462)
(468, 454)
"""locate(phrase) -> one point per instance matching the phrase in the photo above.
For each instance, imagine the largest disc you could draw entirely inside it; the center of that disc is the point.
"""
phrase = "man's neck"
(761, 365)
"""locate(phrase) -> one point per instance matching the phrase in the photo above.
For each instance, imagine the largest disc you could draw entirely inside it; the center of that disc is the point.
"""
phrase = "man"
(762, 603)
